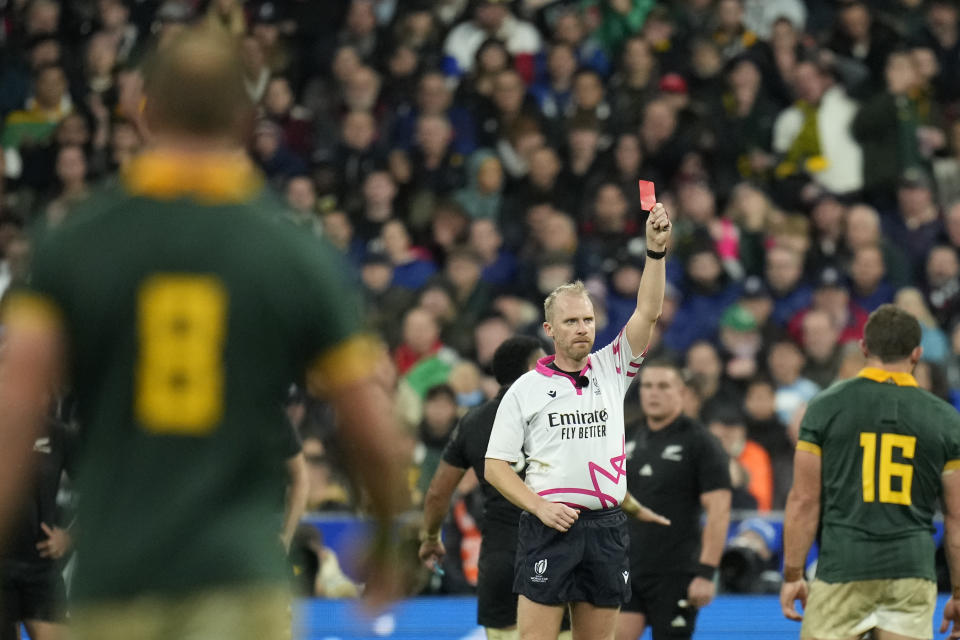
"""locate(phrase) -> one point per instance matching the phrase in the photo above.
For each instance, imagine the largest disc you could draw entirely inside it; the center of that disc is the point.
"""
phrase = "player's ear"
(547, 329)
(915, 355)
(863, 348)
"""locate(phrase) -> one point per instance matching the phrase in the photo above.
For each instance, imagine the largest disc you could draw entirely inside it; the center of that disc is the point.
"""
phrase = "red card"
(648, 196)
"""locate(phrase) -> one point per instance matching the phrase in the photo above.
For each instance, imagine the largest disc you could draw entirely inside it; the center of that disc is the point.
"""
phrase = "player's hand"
(646, 514)
(701, 591)
(431, 552)
(557, 516)
(56, 545)
(951, 613)
(658, 228)
(790, 592)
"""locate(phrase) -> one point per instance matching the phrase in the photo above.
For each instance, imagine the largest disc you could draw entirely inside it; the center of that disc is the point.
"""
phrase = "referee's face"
(572, 326)
(661, 392)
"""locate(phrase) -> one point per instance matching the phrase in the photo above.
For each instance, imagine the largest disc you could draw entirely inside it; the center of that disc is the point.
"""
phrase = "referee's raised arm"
(653, 281)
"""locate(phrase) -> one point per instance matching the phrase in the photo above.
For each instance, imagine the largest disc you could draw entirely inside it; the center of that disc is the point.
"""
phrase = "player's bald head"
(195, 86)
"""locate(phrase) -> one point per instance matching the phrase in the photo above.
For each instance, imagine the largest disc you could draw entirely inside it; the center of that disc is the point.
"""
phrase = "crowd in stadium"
(468, 156)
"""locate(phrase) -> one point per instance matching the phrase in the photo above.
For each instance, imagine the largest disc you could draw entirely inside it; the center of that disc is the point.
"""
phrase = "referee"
(496, 602)
(565, 419)
(680, 469)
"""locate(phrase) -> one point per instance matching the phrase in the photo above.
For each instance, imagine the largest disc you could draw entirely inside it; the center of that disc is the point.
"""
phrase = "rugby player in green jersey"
(181, 305)
(874, 456)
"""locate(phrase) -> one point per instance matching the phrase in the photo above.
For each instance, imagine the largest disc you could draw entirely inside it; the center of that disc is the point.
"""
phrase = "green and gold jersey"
(189, 306)
(884, 444)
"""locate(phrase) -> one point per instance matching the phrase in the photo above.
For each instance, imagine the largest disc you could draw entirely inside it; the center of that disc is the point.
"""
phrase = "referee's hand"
(556, 516)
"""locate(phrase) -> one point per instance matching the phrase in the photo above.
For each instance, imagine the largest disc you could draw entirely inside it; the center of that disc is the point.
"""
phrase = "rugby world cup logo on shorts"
(540, 567)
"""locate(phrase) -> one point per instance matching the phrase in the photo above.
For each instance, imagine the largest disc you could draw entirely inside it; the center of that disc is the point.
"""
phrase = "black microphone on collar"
(583, 381)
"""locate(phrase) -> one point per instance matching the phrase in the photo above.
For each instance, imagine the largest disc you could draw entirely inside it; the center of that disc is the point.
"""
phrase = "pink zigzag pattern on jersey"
(618, 464)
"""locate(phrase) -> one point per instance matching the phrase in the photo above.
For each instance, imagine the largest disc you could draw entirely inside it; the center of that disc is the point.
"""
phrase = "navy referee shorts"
(587, 563)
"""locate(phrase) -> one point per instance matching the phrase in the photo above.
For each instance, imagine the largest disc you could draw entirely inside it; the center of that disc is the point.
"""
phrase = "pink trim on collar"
(544, 369)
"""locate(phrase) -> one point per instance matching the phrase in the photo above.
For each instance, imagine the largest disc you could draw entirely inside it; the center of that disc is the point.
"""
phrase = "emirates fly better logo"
(540, 566)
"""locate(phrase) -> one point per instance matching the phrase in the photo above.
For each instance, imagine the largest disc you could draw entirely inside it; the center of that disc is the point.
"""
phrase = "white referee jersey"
(572, 438)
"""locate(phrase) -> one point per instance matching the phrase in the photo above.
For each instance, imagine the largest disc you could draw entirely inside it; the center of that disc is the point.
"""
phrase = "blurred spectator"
(743, 120)
(570, 28)
(483, 195)
(491, 19)
(766, 429)
(708, 292)
(785, 362)
(293, 119)
(420, 341)
(48, 105)
(869, 287)
(255, 68)
(863, 229)
(820, 340)
(338, 230)
(784, 273)
(859, 37)
(731, 34)
(813, 136)
(71, 171)
(439, 419)
(897, 128)
(706, 370)
(916, 222)
(635, 82)
(827, 216)
(277, 161)
(498, 263)
(553, 93)
(740, 341)
(620, 19)
(751, 474)
(411, 266)
(383, 303)
(943, 284)
(936, 348)
(832, 296)
(434, 97)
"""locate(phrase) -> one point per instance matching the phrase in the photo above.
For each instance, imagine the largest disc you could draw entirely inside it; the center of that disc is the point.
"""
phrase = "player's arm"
(716, 507)
(951, 547)
(501, 475)
(30, 359)
(372, 445)
(800, 525)
(435, 506)
(652, 283)
(633, 508)
(298, 488)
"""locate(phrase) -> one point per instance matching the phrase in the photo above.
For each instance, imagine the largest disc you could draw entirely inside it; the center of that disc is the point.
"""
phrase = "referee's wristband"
(706, 571)
(656, 255)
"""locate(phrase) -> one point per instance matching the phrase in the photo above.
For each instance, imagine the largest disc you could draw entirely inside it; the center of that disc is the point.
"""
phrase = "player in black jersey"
(32, 591)
(496, 602)
(678, 468)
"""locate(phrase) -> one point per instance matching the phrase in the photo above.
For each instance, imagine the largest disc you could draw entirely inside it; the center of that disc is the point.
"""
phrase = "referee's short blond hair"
(571, 288)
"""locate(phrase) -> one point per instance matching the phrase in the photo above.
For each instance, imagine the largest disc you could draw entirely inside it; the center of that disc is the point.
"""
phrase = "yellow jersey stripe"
(352, 360)
(899, 378)
(30, 310)
(809, 447)
(952, 465)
